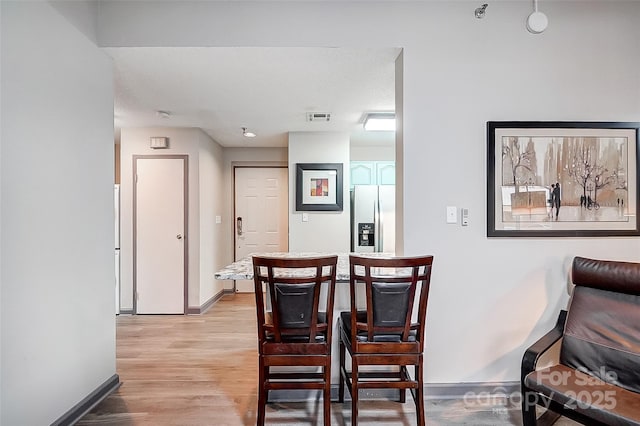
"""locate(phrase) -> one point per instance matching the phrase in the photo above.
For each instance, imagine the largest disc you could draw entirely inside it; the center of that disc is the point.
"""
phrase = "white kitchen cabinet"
(385, 172)
(372, 173)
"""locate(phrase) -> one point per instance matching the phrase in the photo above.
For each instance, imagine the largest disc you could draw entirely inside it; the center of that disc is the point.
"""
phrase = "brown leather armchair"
(597, 379)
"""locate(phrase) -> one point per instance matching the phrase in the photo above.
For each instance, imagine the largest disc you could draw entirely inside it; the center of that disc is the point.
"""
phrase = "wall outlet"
(218, 219)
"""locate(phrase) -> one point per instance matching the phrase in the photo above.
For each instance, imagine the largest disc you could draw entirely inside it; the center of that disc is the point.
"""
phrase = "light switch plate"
(305, 217)
(218, 219)
(452, 214)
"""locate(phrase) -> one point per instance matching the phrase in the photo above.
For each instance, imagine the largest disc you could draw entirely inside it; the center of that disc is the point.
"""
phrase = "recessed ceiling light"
(380, 121)
(247, 134)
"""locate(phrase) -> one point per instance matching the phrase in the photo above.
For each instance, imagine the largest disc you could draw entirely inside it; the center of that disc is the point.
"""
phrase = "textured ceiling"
(268, 90)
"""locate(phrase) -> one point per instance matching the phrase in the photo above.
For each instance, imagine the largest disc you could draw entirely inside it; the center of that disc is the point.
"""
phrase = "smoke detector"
(318, 116)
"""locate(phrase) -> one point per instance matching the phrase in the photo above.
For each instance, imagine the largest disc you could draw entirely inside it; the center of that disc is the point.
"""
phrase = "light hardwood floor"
(202, 370)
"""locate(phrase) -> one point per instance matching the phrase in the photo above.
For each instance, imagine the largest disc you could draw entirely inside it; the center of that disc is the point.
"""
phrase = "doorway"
(261, 200)
(160, 253)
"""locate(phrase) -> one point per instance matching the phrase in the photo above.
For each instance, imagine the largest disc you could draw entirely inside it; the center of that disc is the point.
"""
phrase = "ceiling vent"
(318, 116)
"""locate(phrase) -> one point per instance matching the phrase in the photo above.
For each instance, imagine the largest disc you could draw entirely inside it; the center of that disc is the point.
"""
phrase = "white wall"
(332, 226)
(490, 297)
(399, 154)
(205, 199)
(213, 247)
(82, 14)
(2, 34)
(57, 279)
(496, 296)
(373, 152)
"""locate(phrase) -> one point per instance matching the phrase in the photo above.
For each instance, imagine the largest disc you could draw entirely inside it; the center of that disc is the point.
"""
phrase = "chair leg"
(354, 391)
(326, 399)
(528, 407)
(263, 372)
(420, 394)
(403, 392)
(341, 369)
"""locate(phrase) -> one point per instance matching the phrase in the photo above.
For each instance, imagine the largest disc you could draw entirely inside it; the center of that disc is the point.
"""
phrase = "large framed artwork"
(319, 187)
(562, 179)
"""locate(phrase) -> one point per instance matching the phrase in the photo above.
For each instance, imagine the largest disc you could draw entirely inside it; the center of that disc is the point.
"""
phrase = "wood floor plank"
(201, 370)
(185, 370)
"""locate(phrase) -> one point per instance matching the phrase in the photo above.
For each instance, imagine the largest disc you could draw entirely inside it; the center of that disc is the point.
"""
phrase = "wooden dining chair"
(389, 331)
(294, 325)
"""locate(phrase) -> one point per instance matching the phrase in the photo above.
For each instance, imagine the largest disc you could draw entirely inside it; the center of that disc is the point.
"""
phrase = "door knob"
(179, 236)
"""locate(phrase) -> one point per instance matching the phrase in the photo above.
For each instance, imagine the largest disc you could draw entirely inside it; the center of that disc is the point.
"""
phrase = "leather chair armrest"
(533, 353)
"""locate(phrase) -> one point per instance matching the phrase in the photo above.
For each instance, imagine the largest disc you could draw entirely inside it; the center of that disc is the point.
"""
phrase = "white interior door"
(160, 235)
(261, 209)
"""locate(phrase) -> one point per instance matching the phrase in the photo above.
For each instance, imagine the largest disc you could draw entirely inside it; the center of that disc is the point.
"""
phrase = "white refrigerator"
(373, 219)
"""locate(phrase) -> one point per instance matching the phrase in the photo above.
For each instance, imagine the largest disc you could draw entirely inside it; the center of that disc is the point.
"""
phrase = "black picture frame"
(596, 164)
(319, 187)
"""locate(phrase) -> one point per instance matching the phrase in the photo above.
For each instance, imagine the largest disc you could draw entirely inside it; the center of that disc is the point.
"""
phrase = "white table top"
(243, 269)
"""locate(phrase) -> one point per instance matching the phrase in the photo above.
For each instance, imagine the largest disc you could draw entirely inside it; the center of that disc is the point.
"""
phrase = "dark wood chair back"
(393, 314)
(295, 318)
(389, 330)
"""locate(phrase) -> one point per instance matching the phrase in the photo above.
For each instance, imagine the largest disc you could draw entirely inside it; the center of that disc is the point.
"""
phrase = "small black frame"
(331, 196)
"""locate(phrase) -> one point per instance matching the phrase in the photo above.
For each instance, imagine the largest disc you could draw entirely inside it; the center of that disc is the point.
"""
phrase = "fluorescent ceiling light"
(380, 121)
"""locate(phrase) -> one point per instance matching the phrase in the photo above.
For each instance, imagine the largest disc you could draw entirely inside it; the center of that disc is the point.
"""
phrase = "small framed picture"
(319, 187)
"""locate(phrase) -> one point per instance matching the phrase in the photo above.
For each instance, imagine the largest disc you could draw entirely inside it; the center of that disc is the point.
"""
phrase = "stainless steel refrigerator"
(373, 218)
